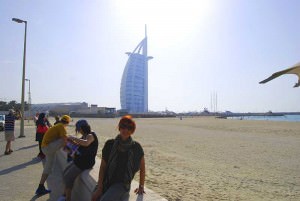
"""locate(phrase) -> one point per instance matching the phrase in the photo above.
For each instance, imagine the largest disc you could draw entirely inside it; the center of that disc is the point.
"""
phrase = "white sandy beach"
(216, 159)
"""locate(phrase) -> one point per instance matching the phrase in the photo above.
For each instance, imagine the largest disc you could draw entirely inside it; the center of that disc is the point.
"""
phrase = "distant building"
(60, 108)
(74, 109)
(134, 84)
(94, 109)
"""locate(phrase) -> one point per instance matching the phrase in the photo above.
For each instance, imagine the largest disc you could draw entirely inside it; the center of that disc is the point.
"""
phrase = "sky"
(205, 51)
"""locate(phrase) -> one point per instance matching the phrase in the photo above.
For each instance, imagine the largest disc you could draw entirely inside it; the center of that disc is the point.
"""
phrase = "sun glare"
(165, 18)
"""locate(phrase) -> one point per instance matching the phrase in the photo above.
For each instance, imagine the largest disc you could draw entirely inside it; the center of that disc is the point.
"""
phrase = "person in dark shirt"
(85, 151)
(9, 129)
(42, 125)
(122, 157)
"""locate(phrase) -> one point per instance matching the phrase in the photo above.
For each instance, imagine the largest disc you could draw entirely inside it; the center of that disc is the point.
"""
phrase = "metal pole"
(23, 78)
(29, 101)
(23, 86)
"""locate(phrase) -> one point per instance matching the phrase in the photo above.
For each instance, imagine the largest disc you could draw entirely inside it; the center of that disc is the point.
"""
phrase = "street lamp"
(23, 78)
(29, 101)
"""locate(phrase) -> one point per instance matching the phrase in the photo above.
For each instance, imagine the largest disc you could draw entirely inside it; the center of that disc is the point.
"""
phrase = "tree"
(4, 106)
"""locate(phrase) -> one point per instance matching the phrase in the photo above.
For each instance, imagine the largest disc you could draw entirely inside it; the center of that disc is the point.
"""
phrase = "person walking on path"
(9, 129)
(84, 156)
(42, 125)
(122, 157)
(54, 139)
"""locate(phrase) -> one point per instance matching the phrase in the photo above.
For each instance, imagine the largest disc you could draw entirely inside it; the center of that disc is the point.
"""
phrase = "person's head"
(126, 123)
(41, 116)
(83, 127)
(65, 119)
(11, 112)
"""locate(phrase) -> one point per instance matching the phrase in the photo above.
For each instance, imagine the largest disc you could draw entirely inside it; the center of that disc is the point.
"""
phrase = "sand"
(216, 159)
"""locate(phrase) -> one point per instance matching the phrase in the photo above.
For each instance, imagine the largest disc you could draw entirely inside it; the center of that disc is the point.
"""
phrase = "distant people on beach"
(42, 125)
(122, 157)
(84, 156)
(54, 139)
(9, 129)
(57, 119)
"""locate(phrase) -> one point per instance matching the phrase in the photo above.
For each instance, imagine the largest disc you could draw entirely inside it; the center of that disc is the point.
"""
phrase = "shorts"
(50, 152)
(70, 174)
(9, 135)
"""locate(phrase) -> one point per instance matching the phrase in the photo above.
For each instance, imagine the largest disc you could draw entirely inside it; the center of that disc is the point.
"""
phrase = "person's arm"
(82, 142)
(48, 123)
(140, 190)
(18, 113)
(98, 193)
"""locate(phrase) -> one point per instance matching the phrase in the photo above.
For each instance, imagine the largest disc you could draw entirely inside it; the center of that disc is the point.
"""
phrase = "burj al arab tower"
(134, 84)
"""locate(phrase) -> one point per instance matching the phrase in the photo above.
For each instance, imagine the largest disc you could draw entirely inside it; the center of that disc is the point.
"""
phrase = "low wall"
(86, 182)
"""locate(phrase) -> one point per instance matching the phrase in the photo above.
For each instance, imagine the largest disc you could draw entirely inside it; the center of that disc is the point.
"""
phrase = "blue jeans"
(116, 192)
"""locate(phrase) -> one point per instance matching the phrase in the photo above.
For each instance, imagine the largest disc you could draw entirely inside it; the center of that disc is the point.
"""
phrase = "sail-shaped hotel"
(134, 84)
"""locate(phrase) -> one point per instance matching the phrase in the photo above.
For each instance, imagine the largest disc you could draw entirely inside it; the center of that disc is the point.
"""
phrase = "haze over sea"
(291, 118)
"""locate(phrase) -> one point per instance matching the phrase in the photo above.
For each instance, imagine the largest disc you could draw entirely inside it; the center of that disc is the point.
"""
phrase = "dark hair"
(86, 129)
(64, 122)
(41, 119)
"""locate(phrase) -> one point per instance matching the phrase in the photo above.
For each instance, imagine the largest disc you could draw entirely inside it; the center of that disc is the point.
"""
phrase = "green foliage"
(5, 106)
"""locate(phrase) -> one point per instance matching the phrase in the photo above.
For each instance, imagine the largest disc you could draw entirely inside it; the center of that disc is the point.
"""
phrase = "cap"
(66, 118)
(80, 123)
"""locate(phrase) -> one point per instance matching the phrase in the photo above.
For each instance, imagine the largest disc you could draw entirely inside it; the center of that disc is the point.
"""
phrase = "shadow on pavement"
(28, 147)
(18, 167)
(35, 197)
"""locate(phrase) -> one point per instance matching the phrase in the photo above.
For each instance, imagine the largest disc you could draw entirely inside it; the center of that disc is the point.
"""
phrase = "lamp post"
(29, 101)
(23, 78)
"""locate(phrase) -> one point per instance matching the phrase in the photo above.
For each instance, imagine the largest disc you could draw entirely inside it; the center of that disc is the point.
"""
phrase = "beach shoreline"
(205, 158)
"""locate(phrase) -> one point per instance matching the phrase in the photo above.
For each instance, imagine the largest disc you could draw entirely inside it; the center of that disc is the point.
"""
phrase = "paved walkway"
(20, 171)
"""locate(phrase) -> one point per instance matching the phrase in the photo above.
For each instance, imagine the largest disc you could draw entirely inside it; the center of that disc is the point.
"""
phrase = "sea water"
(292, 118)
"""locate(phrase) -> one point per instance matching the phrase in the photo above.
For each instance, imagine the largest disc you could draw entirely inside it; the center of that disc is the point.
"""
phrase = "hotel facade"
(134, 83)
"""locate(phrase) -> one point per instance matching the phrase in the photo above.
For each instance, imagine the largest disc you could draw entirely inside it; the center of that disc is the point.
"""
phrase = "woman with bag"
(42, 125)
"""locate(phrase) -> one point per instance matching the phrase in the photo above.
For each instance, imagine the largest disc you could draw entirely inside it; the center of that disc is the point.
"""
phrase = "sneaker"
(11, 150)
(42, 191)
(61, 198)
(41, 156)
(7, 153)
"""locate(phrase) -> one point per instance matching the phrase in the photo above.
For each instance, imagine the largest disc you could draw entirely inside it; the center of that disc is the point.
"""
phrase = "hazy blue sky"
(76, 51)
